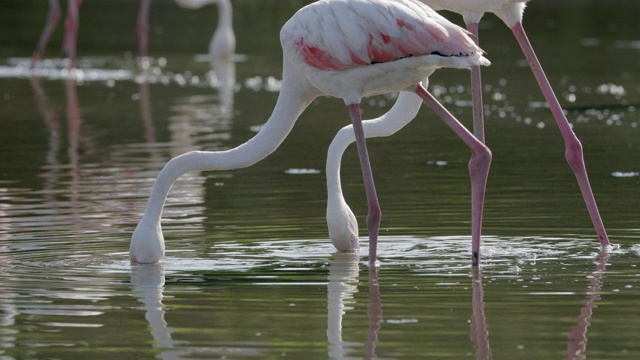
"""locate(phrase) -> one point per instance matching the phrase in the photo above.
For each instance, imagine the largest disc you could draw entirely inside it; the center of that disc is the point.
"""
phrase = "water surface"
(249, 270)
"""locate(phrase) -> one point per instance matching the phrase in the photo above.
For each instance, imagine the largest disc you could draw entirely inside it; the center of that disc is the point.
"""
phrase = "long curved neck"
(403, 111)
(293, 99)
(225, 14)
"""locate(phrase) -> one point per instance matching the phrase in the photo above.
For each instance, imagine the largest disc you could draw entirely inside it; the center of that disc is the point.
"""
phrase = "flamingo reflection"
(374, 311)
(78, 145)
(147, 282)
(479, 328)
(577, 344)
(343, 285)
(224, 79)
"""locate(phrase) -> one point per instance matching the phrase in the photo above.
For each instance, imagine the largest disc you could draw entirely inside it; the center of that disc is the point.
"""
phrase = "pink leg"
(71, 32)
(573, 152)
(476, 90)
(143, 28)
(53, 17)
(374, 214)
(478, 168)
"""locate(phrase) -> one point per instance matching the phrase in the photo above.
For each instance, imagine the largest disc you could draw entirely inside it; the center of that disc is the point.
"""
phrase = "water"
(249, 270)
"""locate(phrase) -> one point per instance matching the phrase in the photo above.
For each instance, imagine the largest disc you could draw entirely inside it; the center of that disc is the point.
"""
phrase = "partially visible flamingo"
(222, 44)
(340, 219)
(511, 13)
(70, 35)
(349, 50)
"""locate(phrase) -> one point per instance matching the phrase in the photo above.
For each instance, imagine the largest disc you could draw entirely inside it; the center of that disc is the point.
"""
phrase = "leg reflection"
(577, 344)
(479, 328)
(375, 313)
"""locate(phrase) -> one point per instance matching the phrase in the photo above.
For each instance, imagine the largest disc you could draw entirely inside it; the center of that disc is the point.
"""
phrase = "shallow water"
(249, 270)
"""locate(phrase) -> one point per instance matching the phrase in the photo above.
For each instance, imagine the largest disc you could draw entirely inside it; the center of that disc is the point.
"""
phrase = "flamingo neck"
(293, 99)
(342, 140)
(403, 111)
(225, 14)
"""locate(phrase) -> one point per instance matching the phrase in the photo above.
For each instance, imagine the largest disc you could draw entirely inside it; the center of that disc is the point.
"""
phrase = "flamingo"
(511, 13)
(340, 219)
(222, 44)
(348, 50)
(71, 31)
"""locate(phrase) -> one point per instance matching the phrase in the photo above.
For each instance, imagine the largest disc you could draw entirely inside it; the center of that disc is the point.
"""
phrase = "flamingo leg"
(573, 148)
(142, 27)
(476, 89)
(478, 168)
(53, 17)
(71, 32)
(374, 214)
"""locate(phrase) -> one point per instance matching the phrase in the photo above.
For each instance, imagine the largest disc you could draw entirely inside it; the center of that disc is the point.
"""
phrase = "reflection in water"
(343, 285)
(48, 113)
(479, 328)
(74, 123)
(374, 310)
(577, 344)
(147, 282)
(75, 142)
(224, 78)
(145, 112)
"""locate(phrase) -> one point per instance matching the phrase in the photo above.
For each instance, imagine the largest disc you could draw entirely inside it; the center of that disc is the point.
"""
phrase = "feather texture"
(347, 34)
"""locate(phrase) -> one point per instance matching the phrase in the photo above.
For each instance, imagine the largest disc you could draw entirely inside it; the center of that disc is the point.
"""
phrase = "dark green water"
(249, 271)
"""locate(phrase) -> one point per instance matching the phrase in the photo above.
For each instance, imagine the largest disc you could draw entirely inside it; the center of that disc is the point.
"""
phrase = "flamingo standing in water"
(222, 44)
(349, 50)
(71, 31)
(511, 12)
(340, 218)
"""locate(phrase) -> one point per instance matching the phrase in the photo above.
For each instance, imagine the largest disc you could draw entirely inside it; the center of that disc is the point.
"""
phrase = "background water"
(249, 271)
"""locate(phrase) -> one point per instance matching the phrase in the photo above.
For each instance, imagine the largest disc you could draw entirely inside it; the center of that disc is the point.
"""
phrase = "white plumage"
(346, 49)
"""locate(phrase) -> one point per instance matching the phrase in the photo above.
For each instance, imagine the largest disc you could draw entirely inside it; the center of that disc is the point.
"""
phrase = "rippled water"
(249, 270)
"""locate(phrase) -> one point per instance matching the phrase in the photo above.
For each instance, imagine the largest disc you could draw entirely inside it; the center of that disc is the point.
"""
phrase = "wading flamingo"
(222, 44)
(511, 13)
(349, 50)
(340, 219)
(70, 35)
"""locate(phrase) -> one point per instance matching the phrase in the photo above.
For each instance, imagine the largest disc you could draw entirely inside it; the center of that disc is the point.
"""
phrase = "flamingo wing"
(341, 34)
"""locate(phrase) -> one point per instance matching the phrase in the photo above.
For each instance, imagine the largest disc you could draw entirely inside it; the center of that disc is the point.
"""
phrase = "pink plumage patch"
(381, 44)
(318, 58)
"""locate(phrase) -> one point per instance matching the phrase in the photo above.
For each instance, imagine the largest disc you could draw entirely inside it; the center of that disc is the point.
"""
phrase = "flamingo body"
(407, 41)
(344, 64)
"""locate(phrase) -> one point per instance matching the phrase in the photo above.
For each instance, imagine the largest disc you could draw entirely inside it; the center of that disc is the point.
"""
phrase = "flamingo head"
(343, 226)
(147, 242)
